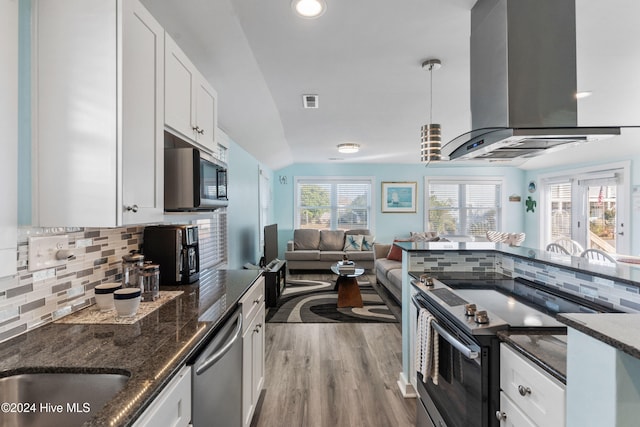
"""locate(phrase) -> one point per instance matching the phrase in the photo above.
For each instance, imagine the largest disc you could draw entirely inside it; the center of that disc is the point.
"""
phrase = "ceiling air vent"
(310, 101)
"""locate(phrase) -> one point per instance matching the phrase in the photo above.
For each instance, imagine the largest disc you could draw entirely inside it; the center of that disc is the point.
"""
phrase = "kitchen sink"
(55, 399)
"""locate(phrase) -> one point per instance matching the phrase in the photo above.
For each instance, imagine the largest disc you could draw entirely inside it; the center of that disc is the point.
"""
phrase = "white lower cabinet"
(173, 406)
(529, 396)
(510, 415)
(253, 307)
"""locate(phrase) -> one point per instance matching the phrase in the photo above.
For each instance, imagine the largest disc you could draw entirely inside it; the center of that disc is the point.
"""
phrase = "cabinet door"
(511, 415)
(257, 377)
(142, 111)
(75, 110)
(173, 406)
(206, 107)
(180, 79)
(9, 126)
(247, 369)
(541, 397)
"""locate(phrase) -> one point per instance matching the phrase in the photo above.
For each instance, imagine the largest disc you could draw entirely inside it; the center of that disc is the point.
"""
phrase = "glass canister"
(131, 265)
(150, 282)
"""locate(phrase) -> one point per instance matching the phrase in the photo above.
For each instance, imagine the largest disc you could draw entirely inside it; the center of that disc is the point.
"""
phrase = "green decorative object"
(531, 204)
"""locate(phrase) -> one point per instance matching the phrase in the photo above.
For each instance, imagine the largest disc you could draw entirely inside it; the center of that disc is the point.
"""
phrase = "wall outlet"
(42, 251)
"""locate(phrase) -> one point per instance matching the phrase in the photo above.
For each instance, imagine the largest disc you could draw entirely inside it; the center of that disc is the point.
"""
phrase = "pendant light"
(431, 141)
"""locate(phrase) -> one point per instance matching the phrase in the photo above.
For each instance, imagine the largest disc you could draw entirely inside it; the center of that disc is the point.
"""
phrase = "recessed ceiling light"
(348, 148)
(309, 9)
(583, 94)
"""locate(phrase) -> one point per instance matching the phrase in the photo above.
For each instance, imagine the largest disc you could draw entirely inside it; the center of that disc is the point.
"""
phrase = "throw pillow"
(352, 242)
(395, 253)
(367, 242)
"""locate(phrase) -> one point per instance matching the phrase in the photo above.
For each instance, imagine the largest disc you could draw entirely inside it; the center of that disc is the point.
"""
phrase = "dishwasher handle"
(218, 354)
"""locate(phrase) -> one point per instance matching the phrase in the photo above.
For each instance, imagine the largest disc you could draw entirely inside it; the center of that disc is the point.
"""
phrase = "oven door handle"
(466, 351)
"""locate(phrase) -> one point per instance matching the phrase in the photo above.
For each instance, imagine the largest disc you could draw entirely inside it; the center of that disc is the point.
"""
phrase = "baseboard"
(407, 390)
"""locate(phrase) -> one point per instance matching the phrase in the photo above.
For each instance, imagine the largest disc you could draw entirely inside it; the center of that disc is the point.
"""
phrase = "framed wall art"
(399, 197)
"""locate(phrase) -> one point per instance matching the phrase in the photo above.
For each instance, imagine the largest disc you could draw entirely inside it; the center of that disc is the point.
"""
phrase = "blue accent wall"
(386, 226)
(244, 208)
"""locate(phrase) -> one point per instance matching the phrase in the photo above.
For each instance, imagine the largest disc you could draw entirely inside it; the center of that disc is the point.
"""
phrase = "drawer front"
(251, 302)
(541, 397)
(173, 406)
(511, 416)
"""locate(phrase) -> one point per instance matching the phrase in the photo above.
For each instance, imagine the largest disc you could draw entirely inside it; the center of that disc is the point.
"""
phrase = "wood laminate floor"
(333, 375)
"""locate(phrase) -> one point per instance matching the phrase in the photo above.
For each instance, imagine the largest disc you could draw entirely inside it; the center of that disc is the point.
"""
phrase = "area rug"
(315, 301)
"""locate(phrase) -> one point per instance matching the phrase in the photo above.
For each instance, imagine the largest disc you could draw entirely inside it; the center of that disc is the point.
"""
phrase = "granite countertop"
(618, 330)
(151, 350)
(547, 350)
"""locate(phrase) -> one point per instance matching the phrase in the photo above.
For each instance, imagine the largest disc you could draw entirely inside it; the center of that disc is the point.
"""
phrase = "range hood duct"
(523, 81)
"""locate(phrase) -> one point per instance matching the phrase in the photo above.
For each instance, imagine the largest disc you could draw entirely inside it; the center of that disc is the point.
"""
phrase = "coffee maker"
(175, 248)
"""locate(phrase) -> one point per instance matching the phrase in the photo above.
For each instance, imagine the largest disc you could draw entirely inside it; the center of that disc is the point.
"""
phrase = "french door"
(590, 209)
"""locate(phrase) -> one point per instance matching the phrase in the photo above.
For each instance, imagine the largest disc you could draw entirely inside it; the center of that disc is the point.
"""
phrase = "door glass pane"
(602, 217)
(560, 197)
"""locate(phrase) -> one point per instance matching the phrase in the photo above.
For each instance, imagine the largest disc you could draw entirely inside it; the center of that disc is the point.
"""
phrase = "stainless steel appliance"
(193, 181)
(217, 378)
(468, 314)
(519, 108)
(175, 248)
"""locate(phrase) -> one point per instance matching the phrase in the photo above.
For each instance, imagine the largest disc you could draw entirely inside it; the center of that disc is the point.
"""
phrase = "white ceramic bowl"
(127, 301)
(104, 295)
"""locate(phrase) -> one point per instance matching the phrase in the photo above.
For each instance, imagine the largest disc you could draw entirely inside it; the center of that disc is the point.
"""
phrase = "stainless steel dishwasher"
(217, 378)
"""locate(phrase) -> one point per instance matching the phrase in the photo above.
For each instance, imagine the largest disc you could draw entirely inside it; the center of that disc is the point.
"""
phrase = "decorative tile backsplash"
(608, 292)
(31, 299)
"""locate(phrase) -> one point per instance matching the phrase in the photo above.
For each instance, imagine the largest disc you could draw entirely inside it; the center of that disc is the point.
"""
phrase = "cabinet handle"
(201, 131)
(501, 416)
(196, 128)
(256, 301)
(133, 208)
(523, 390)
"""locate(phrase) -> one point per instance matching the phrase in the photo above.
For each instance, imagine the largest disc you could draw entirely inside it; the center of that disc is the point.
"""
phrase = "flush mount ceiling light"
(348, 148)
(431, 141)
(583, 94)
(309, 9)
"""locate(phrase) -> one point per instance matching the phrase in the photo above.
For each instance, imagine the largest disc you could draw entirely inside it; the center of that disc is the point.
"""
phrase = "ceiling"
(362, 58)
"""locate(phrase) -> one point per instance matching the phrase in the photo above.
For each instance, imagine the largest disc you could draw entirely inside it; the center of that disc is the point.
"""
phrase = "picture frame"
(399, 197)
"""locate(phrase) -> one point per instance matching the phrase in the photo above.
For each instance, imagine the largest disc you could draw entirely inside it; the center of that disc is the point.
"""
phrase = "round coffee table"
(347, 286)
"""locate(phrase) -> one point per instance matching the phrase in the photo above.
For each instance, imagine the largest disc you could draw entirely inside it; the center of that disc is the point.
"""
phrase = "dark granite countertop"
(618, 330)
(628, 273)
(151, 350)
(547, 350)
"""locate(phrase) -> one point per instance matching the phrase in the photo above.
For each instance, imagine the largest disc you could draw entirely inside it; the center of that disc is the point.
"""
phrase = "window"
(212, 240)
(333, 203)
(463, 206)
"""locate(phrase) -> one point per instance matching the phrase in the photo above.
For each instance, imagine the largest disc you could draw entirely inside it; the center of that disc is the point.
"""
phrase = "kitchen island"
(614, 287)
(151, 351)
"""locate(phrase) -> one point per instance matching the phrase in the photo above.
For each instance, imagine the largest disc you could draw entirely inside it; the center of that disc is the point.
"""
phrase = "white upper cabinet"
(9, 126)
(98, 109)
(190, 101)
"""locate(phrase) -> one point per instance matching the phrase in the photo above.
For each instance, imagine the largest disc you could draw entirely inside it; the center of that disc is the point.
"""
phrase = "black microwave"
(193, 181)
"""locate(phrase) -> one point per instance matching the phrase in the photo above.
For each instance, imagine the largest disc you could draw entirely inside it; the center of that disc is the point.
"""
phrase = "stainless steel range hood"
(523, 82)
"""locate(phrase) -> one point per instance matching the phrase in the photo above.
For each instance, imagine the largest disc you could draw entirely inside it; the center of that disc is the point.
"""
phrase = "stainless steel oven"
(463, 376)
